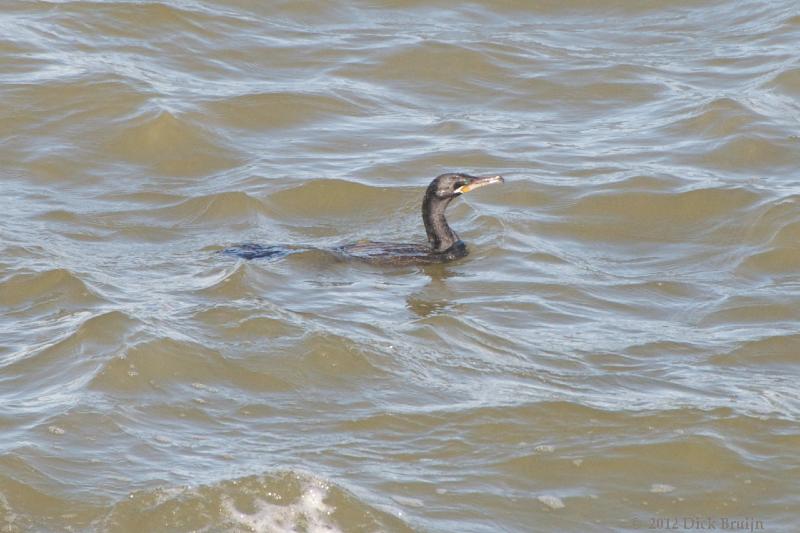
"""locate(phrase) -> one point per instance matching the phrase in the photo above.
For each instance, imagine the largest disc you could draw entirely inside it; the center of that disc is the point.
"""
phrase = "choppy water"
(620, 347)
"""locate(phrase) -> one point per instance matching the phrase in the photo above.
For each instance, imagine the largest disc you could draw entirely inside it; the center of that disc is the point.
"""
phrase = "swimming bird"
(443, 245)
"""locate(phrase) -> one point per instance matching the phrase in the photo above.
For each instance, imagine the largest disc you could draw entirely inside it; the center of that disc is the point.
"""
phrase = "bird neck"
(440, 236)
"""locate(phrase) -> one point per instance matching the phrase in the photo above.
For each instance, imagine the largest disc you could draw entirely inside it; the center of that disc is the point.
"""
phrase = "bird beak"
(477, 183)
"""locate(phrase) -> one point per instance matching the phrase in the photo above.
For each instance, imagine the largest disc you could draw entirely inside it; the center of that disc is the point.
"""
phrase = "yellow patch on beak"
(478, 183)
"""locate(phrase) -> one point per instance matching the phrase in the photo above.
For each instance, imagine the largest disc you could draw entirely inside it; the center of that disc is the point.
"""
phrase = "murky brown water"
(619, 351)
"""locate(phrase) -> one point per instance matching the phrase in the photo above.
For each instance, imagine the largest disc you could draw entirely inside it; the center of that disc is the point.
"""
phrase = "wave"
(52, 375)
(317, 198)
(53, 288)
(280, 502)
(772, 350)
(718, 119)
(772, 237)
(631, 216)
(787, 82)
(232, 206)
(165, 362)
(273, 110)
(170, 145)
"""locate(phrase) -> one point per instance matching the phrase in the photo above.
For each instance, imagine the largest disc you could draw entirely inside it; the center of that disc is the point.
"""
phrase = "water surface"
(619, 348)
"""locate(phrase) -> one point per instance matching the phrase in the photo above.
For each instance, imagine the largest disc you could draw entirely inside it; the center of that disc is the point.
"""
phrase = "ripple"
(239, 281)
(333, 360)
(161, 362)
(280, 110)
(50, 289)
(141, 198)
(156, 223)
(84, 103)
(580, 88)
(751, 153)
(316, 198)
(445, 69)
(21, 501)
(787, 82)
(751, 309)
(655, 216)
(775, 262)
(214, 208)
(778, 350)
(55, 373)
(118, 21)
(719, 118)
(238, 325)
(170, 145)
(774, 235)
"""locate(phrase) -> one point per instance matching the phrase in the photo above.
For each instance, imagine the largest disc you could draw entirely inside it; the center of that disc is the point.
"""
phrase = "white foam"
(553, 502)
(308, 513)
(408, 502)
(8, 519)
(661, 488)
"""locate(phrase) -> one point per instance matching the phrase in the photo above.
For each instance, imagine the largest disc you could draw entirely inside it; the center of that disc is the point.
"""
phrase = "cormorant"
(443, 243)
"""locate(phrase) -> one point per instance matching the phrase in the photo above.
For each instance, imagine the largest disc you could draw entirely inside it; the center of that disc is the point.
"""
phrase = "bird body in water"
(443, 246)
